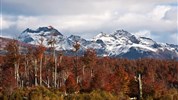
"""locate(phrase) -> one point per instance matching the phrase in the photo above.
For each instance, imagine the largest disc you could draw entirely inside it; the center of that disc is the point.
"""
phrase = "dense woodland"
(43, 73)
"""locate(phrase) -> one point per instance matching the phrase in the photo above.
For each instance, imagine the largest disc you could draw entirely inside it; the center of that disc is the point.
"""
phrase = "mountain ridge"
(120, 43)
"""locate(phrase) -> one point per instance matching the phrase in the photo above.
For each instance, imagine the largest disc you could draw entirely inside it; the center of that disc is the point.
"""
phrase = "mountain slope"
(118, 44)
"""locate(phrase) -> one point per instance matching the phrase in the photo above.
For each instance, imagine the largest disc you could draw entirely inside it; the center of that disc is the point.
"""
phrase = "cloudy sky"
(156, 19)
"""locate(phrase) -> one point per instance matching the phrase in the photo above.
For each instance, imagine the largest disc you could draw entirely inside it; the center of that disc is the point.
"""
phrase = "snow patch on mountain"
(115, 44)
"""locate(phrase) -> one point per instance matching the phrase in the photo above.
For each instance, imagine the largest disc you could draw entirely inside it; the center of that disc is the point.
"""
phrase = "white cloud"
(159, 12)
(81, 17)
(143, 33)
(75, 7)
(149, 21)
(76, 24)
(172, 14)
(5, 23)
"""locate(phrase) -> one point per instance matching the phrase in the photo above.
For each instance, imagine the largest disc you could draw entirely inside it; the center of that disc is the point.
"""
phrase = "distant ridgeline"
(119, 44)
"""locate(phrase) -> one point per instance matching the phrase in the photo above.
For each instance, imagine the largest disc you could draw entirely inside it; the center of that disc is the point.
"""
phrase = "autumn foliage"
(86, 73)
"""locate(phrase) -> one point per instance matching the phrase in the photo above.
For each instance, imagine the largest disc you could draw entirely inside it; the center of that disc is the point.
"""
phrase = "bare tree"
(140, 86)
(42, 49)
(35, 67)
(139, 81)
(52, 43)
(76, 47)
(14, 57)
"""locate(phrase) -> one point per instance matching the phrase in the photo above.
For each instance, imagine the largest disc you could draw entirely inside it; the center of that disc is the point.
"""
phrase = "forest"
(41, 73)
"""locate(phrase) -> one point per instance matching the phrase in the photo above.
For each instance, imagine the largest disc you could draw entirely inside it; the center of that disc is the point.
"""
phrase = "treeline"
(74, 76)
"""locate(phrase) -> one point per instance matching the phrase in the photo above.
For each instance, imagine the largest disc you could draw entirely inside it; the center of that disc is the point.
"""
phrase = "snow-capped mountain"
(117, 44)
(32, 36)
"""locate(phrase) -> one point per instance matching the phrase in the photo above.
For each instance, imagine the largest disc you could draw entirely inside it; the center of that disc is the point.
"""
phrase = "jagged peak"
(73, 36)
(101, 34)
(116, 33)
(50, 27)
(27, 30)
(41, 30)
(122, 33)
(76, 38)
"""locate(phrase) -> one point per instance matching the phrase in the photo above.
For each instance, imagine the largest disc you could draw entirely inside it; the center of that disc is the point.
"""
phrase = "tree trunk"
(26, 62)
(83, 72)
(40, 71)
(16, 65)
(22, 83)
(55, 72)
(18, 78)
(91, 73)
(15, 69)
(140, 86)
(76, 68)
(36, 73)
(48, 81)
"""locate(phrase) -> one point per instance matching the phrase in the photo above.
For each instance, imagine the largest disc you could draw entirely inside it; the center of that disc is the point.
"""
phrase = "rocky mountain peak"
(117, 44)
